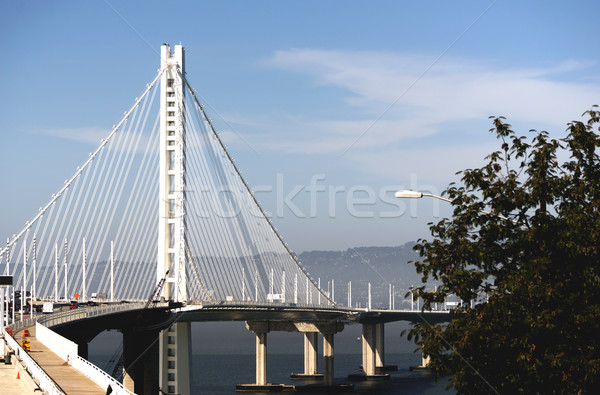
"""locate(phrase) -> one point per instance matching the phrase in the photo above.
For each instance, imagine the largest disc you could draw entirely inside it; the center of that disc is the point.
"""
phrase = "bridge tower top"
(172, 236)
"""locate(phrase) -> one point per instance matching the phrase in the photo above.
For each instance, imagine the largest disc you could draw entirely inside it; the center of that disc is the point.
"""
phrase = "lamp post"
(407, 194)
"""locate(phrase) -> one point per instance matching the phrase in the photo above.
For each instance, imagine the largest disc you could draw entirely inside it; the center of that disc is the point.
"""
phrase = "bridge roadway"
(233, 311)
(94, 320)
(68, 379)
(64, 376)
(83, 324)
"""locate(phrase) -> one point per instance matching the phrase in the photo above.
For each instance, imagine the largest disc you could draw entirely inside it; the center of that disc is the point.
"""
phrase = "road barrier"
(62, 317)
(68, 351)
(46, 383)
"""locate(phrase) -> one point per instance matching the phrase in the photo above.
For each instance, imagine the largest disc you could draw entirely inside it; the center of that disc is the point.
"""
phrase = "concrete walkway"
(9, 384)
(68, 378)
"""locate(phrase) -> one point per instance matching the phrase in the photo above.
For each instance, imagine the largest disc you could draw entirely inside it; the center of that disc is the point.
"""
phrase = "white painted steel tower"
(174, 342)
(172, 229)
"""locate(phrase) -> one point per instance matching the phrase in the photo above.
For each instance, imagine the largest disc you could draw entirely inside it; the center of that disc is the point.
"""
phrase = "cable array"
(235, 245)
(233, 252)
(109, 198)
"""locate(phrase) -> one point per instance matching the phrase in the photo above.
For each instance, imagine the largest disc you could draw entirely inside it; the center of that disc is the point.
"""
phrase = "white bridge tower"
(174, 342)
(172, 230)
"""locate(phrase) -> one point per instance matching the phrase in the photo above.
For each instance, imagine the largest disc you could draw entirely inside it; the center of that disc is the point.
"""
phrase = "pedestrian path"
(9, 384)
(68, 378)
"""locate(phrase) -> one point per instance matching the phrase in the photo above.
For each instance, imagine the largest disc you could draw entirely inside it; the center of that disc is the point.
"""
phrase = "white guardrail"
(68, 351)
(46, 383)
(89, 312)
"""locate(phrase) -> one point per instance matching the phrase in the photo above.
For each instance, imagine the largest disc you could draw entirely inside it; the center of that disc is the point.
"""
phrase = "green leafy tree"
(531, 267)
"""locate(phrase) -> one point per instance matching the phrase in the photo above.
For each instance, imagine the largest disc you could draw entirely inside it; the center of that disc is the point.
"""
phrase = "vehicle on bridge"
(48, 307)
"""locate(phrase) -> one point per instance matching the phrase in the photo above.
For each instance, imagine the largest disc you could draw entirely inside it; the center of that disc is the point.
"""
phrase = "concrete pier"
(311, 331)
(379, 345)
(311, 358)
(424, 363)
(368, 349)
(328, 330)
(372, 353)
(261, 358)
(260, 329)
(311, 347)
(380, 365)
(140, 361)
(328, 359)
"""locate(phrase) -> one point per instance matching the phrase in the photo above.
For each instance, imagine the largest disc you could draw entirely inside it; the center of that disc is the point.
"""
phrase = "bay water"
(223, 356)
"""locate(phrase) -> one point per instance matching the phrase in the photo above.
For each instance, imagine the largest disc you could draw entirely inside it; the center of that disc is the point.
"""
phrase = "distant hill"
(380, 266)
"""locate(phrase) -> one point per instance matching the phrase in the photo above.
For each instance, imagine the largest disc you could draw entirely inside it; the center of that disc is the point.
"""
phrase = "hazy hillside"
(380, 266)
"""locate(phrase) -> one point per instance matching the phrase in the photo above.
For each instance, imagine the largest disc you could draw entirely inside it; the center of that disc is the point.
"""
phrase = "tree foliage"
(531, 266)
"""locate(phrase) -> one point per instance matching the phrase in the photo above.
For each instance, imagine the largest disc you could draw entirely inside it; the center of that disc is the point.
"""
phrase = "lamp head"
(406, 194)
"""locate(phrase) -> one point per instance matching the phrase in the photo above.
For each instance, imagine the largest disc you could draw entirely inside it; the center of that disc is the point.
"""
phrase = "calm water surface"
(218, 374)
(223, 356)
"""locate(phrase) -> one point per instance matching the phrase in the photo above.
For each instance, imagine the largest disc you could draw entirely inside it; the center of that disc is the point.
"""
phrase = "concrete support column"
(140, 362)
(328, 358)
(261, 358)
(379, 345)
(311, 331)
(373, 354)
(311, 346)
(424, 363)
(368, 349)
(424, 359)
(175, 370)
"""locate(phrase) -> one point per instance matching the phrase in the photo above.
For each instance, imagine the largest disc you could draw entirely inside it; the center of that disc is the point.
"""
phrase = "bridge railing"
(18, 325)
(64, 348)
(46, 383)
(87, 312)
(99, 376)
(267, 304)
(68, 351)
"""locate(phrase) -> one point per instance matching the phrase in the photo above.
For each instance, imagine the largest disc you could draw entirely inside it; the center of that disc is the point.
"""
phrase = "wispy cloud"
(90, 134)
(461, 86)
(455, 90)
(127, 141)
(450, 103)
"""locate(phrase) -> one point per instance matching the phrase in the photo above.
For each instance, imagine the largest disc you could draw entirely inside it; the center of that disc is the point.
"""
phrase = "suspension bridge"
(159, 216)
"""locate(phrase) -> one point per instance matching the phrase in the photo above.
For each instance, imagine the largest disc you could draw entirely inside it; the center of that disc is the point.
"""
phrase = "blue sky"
(358, 98)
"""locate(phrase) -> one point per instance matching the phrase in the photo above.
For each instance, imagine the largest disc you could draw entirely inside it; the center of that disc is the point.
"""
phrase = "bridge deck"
(68, 378)
(9, 383)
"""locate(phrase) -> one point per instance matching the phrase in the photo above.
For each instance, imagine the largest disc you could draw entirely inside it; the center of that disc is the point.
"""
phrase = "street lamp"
(407, 194)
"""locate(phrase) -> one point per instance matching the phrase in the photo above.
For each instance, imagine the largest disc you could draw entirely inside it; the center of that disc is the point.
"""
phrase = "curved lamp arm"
(416, 195)
(407, 194)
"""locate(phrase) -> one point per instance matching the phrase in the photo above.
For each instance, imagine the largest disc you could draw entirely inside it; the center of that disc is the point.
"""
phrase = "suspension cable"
(93, 155)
